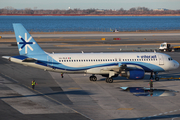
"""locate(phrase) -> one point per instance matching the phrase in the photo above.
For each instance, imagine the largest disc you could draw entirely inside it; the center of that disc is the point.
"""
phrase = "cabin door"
(161, 60)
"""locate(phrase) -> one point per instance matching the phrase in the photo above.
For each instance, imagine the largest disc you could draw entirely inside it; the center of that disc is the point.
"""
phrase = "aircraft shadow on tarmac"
(175, 116)
(72, 92)
(146, 78)
(123, 79)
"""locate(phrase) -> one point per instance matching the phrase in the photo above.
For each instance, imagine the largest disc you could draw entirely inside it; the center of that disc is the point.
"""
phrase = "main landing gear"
(93, 78)
(109, 80)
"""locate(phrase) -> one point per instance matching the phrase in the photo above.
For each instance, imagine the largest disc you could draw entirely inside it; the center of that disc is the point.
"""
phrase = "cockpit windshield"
(170, 59)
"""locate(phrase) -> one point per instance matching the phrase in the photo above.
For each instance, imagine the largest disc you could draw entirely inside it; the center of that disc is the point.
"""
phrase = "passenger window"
(59, 60)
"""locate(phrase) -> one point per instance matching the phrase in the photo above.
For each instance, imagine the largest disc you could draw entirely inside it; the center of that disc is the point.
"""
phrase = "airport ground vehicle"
(167, 47)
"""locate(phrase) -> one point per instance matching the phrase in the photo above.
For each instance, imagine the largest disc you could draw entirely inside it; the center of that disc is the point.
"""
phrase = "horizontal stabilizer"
(6, 57)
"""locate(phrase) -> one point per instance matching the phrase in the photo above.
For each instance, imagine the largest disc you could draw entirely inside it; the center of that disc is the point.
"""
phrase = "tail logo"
(25, 43)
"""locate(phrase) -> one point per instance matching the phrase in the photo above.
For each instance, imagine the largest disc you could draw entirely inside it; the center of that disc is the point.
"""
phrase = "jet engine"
(133, 73)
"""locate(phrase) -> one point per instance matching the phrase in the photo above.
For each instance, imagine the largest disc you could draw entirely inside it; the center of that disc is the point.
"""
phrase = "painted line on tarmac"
(49, 97)
(156, 115)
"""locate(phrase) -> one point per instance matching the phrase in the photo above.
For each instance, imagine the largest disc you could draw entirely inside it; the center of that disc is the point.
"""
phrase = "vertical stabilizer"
(26, 44)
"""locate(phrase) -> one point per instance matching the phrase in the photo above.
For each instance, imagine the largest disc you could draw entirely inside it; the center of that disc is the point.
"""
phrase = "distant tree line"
(121, 11)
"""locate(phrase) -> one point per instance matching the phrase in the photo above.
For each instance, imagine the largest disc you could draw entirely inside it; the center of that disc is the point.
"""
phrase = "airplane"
(131, 65)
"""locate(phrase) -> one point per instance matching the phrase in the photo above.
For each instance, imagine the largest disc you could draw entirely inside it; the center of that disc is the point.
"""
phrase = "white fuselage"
(102, 63)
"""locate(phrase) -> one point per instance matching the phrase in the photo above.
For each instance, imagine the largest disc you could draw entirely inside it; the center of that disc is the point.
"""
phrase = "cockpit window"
(170, 59)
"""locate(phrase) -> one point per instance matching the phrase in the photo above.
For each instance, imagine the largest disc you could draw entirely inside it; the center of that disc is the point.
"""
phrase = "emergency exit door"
(161, 60)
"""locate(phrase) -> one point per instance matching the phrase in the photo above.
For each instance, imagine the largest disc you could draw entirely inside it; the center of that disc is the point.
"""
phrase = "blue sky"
(86, 4)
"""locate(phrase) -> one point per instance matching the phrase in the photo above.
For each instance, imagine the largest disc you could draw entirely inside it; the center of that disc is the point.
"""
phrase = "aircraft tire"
(110, 80)
(90, 78)
(107, 80)
(94, 78)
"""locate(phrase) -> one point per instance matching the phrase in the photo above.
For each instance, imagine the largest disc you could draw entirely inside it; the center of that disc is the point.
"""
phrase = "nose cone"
(176, 64)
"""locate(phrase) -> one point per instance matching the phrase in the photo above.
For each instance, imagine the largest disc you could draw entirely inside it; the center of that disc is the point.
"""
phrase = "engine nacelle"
(133, 74)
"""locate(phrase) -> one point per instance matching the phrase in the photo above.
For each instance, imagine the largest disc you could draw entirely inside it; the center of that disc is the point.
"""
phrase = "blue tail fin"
(26, 44)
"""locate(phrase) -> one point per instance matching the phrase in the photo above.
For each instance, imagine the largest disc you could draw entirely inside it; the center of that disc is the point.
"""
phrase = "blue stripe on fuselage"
(145, 66)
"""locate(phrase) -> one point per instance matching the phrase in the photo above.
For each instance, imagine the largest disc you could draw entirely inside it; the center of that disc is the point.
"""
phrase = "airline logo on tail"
(25, 43)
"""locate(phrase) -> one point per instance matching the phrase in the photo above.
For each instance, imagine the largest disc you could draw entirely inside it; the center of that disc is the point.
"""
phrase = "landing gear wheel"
(110, 80)
(107, 80)
(156, 78)
(93, 78)
(90, 78)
